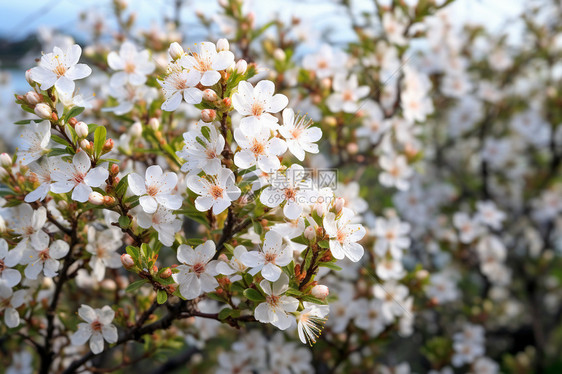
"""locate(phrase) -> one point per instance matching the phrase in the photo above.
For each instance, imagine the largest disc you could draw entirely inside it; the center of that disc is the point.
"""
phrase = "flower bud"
(3, 173)
(352, 148)
(310, 233)
(208, 115)
(175, 51)
(127, 261)
(227, 102)
(28, 77)
(326, 83)
(108, 200)
(320, 210)
(33, 98)
(81, 129)
(154, 123)
(241, 66)
(339, 204)
(95, 198)
(210, 95)
(2, 224)
(320, 292)
(166, 273)
(222, 45)
(108, 145)
(422, 274)
(331, 121)
(114, 169)
(279, 54)
(222, 257)
(86, 145)
(5, 160)
(43, 111)
(136, 130)
(72, 121)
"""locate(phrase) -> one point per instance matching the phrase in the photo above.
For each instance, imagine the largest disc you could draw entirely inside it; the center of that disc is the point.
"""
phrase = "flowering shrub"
(247, 204)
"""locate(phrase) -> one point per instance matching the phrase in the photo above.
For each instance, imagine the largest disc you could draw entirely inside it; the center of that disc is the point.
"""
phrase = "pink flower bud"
(85, 145)
(3, 173)
(154, 123)
(222, 45)
(310, 233)
(5, 160)
(95, 198)
(43, 111)
(81, 129)
(241, 66)
(320, 292)
(127, 261)
(222, 257)
(320, 210)
(339, 204)
(208, 115)
(33, 98)
(175, 51)
(28, 77)
(326, 83)
(166, 273)
(210, 95)
(108, 145)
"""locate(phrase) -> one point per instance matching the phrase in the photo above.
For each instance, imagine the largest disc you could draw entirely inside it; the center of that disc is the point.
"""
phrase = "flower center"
(257, 109)
(272, 300)
(322, 64)
(347, 95)
(28, 231)
(152, 190)
(340, 236)
(198, 268)
(2, 266)
(44, 255)
(257, 148)
(179, 82)
(60, 69)
(129, 67)
(296, 132)
(290, 193)
(96, 326)
(211, 154)
(204, 63)
(390, 236)
(78, 178)
(216, 192)
(270, 257)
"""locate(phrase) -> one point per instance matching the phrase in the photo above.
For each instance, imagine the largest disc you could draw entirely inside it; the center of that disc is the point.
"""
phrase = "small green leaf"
(136, 285)
(23, 122)
(73, 112)
(121, 188)
(225, 313)
(330, 265)
(254, 295)
(161, 296)
(99, 140)
(324, 244)
(124, 222)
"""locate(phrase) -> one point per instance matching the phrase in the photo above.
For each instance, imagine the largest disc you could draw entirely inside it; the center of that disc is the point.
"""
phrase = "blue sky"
(19, 18)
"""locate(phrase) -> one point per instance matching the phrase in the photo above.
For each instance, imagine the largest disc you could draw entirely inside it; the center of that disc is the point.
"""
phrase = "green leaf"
(161, 296)
(59, 140)
(324, 244)
(57, 152)
(254, 295)
(124, 222)
(23, 122)
(312, 299)
(132, 251)
(73, 112)
(225, 313)
(99, 140)
(214, 296)
(330, 265)
(136, 285)
(121, 188)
